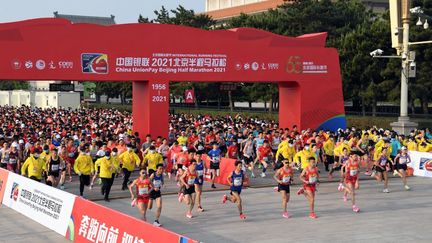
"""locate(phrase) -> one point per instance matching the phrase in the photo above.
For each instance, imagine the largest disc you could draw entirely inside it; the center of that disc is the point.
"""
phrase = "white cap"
(184, 148)
(15, 145)
(58, 136)
(21, 141)
(404, 148)
(75, 137)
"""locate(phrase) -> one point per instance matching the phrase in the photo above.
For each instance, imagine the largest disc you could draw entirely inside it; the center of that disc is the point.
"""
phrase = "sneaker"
(70, 179)
(133, 203)
(356, 209)
(224, 198)
(312, 215)
(62, 187)
(200, 209)
(395, 173)
(107, 200)
(156, 223)
(189, 215)
(407, 187)
(252, 175)
(340, 187)
(330, 177)
(263, 175)
(180, 197)
(213, 186)
(242, 216)
(373, 174)
(300, 191)
(345, 198)
(368, 173)
(285, 215)
(91, 186)
(386, 190)
(275, 188)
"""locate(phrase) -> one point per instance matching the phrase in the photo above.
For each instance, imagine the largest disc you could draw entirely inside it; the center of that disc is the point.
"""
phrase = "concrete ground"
(399, 216)
(15, 227)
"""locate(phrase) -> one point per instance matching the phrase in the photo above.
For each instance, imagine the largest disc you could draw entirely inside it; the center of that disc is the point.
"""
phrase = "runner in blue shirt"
(235, 180)
(215, 158)
(199, 181)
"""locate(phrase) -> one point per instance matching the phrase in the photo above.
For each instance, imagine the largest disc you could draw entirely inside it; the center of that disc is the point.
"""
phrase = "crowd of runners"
(99, 145)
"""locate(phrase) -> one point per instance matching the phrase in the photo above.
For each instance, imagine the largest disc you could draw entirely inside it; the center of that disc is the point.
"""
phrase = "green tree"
(13, 85)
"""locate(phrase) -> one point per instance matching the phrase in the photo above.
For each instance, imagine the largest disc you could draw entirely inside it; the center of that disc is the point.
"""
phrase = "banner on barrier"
(421, 162)
(44, 204)
(91, 222)
(3, 180)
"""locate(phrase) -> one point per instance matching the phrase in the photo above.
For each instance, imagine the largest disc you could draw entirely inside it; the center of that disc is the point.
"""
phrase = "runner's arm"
(130, 189)
(276, 176)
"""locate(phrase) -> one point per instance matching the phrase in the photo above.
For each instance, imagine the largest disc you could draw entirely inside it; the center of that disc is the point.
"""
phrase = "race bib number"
(55, 167)
(71, 155)
(383, 162)
(312, 179)
(157, 183)
(200, 172)
(12, 161)
(266, 159)
(402, 160)
(215, 160)
(353, 172)
(286, 179)
(191, 181)
(143, 191)
(238, 181)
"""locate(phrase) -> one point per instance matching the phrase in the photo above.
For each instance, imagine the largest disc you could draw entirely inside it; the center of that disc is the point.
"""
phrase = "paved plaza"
(399, 216)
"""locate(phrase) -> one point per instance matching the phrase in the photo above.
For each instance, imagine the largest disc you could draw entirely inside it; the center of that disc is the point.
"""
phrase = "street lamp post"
(404, 125)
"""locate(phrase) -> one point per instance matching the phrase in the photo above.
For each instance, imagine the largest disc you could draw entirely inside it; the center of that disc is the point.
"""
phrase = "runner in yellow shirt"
(329, 147)
(84, 168)
(302, 157)
(152, 159)
(35, 166)
(107, 170)
(130, 160)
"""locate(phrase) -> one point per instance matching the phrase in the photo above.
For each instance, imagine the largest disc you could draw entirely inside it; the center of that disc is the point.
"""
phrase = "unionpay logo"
(94, 63)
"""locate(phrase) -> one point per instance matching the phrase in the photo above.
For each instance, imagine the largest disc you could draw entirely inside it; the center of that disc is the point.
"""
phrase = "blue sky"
(125, 11)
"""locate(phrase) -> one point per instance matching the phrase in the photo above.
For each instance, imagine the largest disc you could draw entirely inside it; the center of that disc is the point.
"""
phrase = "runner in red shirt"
(284, 177)
(264, 155)
(310, 177)
(143, 188)
(352, 168)
(188, 181)
(233, 151)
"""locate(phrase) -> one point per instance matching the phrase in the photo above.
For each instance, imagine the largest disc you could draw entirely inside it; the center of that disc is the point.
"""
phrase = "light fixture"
(419, 22)
(426, 25)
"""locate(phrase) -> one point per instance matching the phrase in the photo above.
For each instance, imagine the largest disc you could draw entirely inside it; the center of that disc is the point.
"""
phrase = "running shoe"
(91, 186)
(340, 187)
(180, 197)
(213, 186)
(275, 188)
(252, 175)
(133, 203)
(62, 187)
(224, 198)
(330, 177)
(368, 173)
(345, 198)
(189, 215)
(407, 187)
(312, 215)
(70, 179)
(285, 215)
(156, 223)
(355, 209)
(200, 209)
(263, 175)
(300, 191)
(386, 190)
(395, 173)
(373, 174)
(242, 216)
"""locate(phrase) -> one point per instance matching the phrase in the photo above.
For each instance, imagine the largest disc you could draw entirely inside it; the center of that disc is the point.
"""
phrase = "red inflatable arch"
(152, 55)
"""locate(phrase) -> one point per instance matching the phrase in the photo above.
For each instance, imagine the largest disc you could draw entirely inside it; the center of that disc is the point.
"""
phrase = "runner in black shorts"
(401, 160)
(381, 170)
(54, 166)
(155, 194)
(188, 180)
(284, 177)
